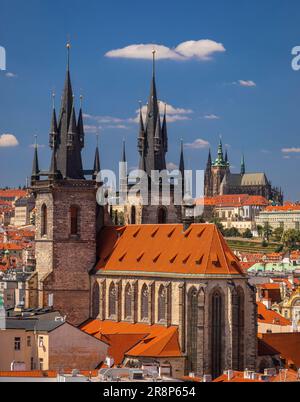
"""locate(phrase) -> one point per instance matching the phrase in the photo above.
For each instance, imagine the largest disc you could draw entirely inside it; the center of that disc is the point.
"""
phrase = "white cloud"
(117, 126)
(211, 117)
(8, 140)
(201, 50)
(197, 144)
(293, 150)
(248, 84)
(173, 113)
(91, 129)
(10, 75)
(104, 119)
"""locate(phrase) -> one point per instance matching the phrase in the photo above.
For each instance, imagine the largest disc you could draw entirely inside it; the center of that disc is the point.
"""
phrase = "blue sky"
(258, 117)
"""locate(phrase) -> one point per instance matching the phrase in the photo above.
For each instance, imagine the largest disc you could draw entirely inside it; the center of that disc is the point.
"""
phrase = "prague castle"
(220, 181)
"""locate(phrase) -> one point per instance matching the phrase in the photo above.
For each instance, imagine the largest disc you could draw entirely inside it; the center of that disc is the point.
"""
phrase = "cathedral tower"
(67, 218)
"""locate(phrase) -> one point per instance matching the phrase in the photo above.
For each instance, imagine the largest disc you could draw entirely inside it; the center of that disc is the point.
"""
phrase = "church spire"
(80, 126)
(96, 168)
(69, 145)
(181, 166)
(152, 142)
(35, 165)
(181, 162)
(243, 165)
(209, 160)
(164, 131)
(54, 129)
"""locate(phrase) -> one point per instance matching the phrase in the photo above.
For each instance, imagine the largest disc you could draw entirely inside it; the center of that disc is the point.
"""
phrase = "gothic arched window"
(128, 299)
(162, 215)
(217, 314)
(74, 220)
(238, 311)
(192, 330)
(133, 215)
(44, 220)
(162, 303)
(145, 303)
(96, 300)
(112, 302)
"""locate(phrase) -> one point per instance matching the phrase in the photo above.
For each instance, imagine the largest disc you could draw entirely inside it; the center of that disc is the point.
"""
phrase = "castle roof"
(247, 179)
(166, 249)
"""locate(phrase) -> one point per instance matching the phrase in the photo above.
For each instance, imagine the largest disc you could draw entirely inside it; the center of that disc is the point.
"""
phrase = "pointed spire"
(165, 131)
(80, 126)
(157, 137)
(220, 149)
(35, 165)
(141, 138)
(209, 160)
(96, 168)
(68, 133)
(54, 128)
(72, 131)
(181, 163)
(243, 165)
(53, 174)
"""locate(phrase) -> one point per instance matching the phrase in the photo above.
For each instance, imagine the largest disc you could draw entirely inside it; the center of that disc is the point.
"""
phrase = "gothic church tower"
(67, 218)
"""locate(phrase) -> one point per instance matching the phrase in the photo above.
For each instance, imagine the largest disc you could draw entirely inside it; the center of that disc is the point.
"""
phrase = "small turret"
(35, 176)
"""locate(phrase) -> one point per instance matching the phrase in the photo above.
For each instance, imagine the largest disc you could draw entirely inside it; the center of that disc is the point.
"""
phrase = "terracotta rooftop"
(266, 316)
(200, 250)
(135, 340)
(238, 376)
(233, 200)
(288, 345)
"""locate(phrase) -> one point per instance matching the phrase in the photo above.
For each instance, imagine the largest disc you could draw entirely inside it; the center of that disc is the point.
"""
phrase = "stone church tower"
(67, 218)
(215, 172)
(152, 148)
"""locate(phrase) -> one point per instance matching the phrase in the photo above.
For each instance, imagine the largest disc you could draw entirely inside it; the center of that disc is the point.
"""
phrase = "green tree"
(267, 231)
(218, 223)
(278, 232)
(247, 234)
(232, 232)
(291, 239)
(260, 230)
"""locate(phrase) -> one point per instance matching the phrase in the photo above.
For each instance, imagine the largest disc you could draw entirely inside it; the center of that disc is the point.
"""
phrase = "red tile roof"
(238, 376)
(266, 316)
(167, 249)
(135, 340)
(263, 349)
(233, 200)
(13, 193)
(284, 208)
(288, 344)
